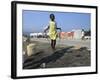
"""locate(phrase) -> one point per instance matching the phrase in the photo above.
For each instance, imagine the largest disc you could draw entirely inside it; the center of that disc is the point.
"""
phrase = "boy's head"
(52, 17)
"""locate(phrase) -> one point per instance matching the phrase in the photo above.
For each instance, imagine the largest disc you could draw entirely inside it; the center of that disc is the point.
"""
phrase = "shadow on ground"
(62, 57)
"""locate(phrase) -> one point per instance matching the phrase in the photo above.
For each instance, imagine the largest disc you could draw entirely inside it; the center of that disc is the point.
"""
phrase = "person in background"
(52, 27)
(82, 34)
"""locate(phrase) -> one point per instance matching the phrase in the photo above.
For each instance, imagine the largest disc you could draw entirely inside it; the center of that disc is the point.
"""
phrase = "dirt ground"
(63, 56)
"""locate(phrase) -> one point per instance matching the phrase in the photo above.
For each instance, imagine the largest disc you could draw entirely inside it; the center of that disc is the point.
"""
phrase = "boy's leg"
(54, 43)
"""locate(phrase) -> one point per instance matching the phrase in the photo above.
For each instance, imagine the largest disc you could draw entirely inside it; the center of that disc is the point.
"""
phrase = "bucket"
(31, 49)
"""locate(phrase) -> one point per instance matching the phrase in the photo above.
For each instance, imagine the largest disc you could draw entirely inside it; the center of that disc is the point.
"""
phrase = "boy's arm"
(57, 27)
(46, 29)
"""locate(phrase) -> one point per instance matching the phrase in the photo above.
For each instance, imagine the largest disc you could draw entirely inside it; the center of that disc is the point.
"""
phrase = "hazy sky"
(35, 21)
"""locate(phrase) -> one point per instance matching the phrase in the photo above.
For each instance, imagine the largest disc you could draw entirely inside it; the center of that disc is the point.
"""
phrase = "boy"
(52, 31)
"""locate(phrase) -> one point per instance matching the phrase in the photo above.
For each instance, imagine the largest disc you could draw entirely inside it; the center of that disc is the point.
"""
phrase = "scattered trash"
(43, 65)
(23, 52)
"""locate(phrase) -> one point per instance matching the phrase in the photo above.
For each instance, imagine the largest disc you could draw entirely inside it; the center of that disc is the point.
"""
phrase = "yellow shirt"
(52, 30)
